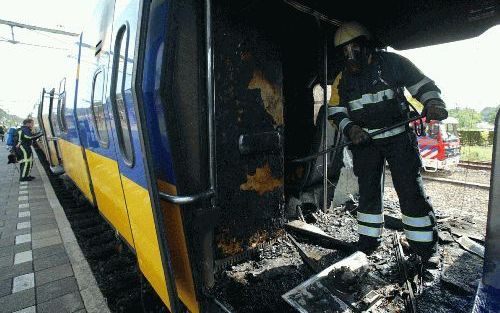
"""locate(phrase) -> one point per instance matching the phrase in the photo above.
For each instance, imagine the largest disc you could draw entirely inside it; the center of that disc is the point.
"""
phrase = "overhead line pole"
(38, 28)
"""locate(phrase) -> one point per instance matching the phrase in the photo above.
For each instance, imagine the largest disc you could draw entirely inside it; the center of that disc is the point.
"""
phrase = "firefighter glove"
(435, 110)
(358, 135)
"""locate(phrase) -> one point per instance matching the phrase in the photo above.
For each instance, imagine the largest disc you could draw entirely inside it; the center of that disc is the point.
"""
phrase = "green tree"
(467, 118)
(486, 112)
(492, 115)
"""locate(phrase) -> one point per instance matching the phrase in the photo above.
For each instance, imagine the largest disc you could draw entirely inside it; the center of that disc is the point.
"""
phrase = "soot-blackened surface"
(248, 97)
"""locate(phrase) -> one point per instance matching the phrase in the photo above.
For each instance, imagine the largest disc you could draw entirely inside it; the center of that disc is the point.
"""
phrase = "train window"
(61, 106)
(119, 95)
(97, 107)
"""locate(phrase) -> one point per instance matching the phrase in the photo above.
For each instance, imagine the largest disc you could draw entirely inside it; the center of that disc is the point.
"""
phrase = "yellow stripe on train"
(109, 194)
(76, 167)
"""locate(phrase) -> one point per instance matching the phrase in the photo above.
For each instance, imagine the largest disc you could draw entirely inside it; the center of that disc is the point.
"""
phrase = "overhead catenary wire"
(305, 9)
(34, 45)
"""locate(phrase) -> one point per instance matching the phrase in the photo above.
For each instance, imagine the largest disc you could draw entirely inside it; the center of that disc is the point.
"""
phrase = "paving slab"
(48, 251)
(23, 282)
(17, 301)
(56, 289)
(31, 309)
(51, 261)
(22, 257)
(5, 287)
(45, 242)
(16, 270)
(68, 303)
(53, 273)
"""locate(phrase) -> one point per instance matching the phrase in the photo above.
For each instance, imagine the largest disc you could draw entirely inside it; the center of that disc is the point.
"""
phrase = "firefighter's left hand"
(435, 110)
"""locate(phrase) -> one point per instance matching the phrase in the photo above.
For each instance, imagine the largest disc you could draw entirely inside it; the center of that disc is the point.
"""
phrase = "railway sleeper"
(103, 251)
(84, 214)
(78, 209)
(100, 239)
(92, 231)
(88, 222)
(117, 264)
(129, 301)
(121, 281)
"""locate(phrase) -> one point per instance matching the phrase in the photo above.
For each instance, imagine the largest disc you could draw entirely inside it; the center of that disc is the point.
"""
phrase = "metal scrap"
(471, 246)
(406, 282)
(311, 259)
(318, 293)
(315, 233)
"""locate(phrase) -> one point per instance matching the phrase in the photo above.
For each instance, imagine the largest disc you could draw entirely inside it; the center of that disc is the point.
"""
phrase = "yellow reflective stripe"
(25, 160)
(369, 98)
(423, 221)
(389, 133)
(370, 218)
(429, 95)
(370, 231)
(420, 236)
(335, 110)
(413, 89)
(344, 123)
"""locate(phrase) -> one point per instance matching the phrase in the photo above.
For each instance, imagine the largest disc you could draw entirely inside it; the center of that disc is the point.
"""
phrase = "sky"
(467, 72)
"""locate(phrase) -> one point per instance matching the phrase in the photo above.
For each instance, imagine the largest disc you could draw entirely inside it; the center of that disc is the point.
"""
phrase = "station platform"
(42, 268)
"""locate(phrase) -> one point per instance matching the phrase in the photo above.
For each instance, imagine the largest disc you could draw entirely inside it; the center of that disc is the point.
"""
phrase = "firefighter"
(25, 139)
(366, 96)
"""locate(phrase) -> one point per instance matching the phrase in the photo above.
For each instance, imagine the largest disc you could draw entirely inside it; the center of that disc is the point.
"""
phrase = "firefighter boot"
(433, 260)
(367, 245)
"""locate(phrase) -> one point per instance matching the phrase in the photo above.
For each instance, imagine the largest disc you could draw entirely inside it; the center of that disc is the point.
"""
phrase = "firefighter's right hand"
(358, 136)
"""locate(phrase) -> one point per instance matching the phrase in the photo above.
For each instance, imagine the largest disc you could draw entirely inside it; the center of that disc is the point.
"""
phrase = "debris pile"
(305, 269)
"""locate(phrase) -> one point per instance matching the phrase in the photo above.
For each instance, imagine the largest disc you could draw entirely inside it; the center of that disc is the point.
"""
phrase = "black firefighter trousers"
(402, 154)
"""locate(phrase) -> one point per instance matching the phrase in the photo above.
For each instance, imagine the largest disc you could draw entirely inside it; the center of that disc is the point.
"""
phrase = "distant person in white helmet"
(369, 95)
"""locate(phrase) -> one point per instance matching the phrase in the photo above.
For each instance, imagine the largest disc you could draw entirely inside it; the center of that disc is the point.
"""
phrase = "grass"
(476, 153)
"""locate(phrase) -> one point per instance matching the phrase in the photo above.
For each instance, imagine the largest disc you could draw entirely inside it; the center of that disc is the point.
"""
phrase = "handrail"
(375, 133)
(211, 121)
(186, 199)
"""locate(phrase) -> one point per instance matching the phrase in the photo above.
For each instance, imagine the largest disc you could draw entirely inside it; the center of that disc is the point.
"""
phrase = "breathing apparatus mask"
(357, 54)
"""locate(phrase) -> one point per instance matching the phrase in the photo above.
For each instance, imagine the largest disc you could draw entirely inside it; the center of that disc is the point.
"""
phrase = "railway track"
(475, 165)
(456, 182)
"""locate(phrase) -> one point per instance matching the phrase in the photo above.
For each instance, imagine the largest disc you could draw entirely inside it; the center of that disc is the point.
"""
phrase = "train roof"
(413, 24)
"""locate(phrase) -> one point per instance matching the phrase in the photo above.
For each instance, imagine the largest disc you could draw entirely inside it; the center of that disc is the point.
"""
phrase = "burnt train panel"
(249, 101)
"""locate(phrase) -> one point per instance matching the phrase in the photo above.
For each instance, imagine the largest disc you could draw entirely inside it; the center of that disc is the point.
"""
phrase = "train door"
(43, 142)
(49, 124)
(93, 121)
(124, 130)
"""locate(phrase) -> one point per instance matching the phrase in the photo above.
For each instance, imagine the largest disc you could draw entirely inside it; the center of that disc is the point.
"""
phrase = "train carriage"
(183, 115)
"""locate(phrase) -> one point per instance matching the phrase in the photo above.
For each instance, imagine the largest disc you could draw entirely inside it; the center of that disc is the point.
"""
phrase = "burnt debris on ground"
(257, 285)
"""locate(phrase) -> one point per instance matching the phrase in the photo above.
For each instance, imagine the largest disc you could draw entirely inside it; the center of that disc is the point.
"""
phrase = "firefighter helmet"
(349, 31)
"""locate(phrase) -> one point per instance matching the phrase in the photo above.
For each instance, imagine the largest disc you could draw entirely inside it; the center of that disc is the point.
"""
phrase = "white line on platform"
(24, 214)
(23, 239)
(23, 282)
(21, 257)
(23, 225)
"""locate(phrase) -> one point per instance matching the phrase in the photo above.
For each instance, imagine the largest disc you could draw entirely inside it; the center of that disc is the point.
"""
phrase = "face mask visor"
(352, 52)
